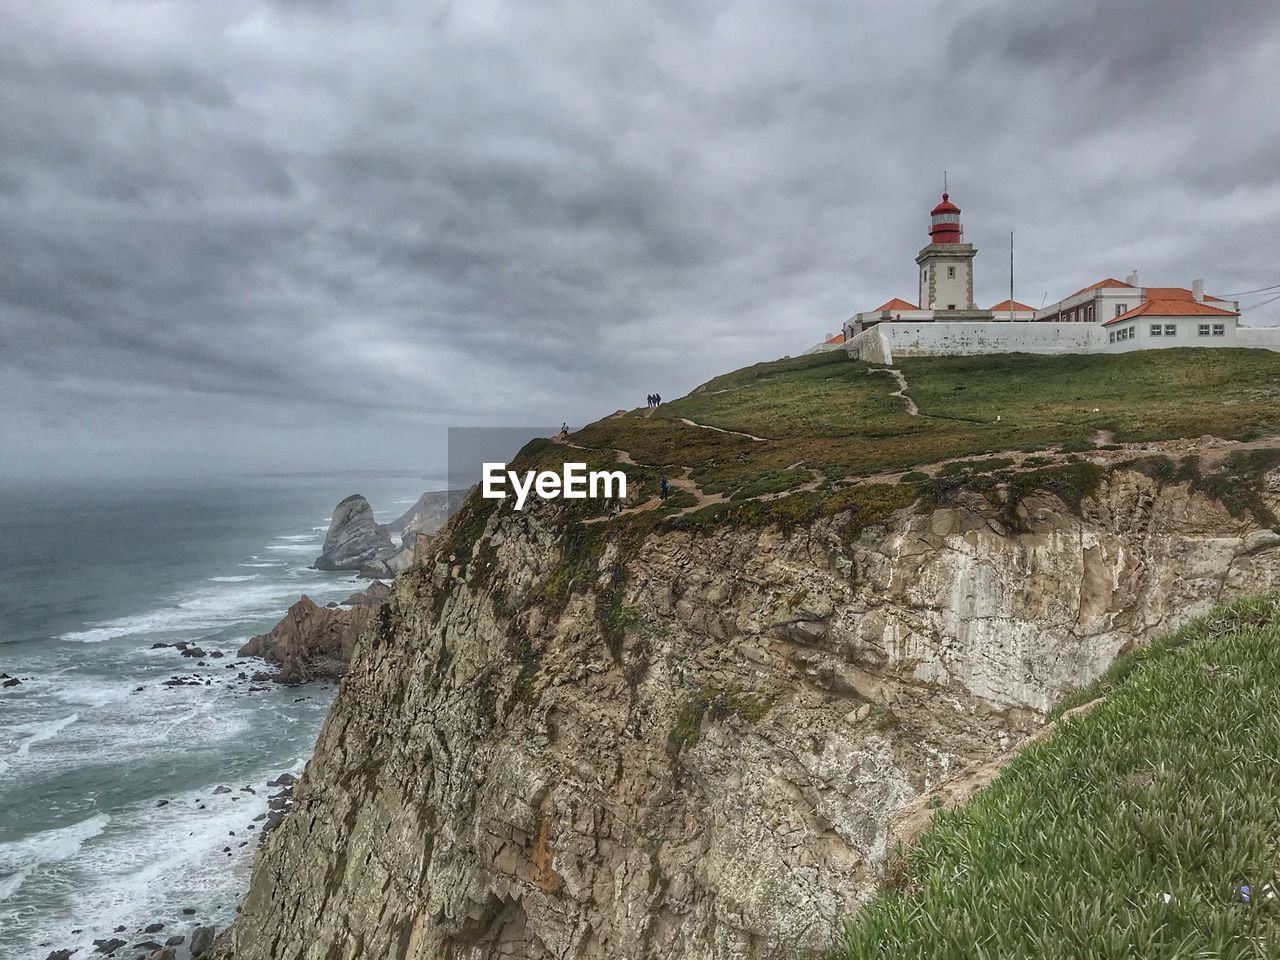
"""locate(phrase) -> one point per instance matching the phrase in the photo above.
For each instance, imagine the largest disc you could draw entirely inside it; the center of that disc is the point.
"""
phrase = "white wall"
(870, 345)
(1264, 338)
(1186, 334)
(885, 341)
(947, 290)
(964, 338)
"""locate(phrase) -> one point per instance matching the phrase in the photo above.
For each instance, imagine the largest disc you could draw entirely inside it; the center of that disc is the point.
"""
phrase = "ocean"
(108, 815)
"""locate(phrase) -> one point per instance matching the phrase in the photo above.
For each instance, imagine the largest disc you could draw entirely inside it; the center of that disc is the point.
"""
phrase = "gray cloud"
(255, 234)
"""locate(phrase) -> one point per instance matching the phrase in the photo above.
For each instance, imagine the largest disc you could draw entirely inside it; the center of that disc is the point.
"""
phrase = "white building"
(1110, 316)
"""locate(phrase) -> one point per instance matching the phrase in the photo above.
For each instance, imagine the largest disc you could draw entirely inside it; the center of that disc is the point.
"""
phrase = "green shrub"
(714, 705)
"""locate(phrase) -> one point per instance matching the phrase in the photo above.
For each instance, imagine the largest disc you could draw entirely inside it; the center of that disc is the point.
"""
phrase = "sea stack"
(313, 642)
(355, 538)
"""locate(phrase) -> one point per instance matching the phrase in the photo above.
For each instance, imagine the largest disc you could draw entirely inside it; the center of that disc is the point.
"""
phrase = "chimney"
(1197, 291)
(1132, 279)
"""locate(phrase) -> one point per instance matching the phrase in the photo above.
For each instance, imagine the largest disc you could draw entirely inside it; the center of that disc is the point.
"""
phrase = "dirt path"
(1212, 451)
(901, 392)
(682, 482)
(733, 433)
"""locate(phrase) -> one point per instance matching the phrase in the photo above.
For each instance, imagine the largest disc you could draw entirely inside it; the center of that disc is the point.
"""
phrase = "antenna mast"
(1010, 276)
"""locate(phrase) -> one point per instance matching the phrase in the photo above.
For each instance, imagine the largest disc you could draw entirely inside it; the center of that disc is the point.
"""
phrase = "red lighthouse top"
(945, 226)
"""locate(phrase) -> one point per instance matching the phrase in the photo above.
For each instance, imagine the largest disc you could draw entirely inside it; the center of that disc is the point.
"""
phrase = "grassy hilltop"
(793, 440)
(837, 416)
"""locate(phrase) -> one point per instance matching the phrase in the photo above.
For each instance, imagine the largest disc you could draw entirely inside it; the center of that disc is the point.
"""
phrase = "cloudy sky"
(310, 234)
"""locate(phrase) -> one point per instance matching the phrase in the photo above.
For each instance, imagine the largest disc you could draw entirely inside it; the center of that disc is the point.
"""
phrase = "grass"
(1129, 833)
(710, 704)
(1147, 395)
(835, 415)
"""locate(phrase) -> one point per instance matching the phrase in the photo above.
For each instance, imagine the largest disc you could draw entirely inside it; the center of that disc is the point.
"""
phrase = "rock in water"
(201, 938)
(354, 537)
(311, 642)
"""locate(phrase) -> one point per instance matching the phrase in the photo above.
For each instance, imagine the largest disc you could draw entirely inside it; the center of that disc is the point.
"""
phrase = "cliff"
(687, 730)
(689, 739)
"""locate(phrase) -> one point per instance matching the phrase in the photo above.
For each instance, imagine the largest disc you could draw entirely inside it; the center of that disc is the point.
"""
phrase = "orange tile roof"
(1109, 282)
(1003, 306)
(1177, 293)
(1168, 293)
(897, 303)
(838, 338)
(1177, 307)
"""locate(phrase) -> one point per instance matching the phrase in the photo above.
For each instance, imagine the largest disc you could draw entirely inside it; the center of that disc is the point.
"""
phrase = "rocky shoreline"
(310, 644)
(146, 943)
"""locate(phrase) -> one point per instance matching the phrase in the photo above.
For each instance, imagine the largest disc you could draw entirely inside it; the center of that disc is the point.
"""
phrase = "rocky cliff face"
(355, 538)
(697, 751)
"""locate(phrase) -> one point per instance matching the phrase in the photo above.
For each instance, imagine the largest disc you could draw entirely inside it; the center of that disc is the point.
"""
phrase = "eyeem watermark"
(575, 483)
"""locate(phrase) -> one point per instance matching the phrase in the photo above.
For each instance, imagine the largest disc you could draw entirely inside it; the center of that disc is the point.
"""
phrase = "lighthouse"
(946, 264)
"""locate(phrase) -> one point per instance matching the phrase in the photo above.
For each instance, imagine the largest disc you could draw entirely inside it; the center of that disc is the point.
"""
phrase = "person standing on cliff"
(666, 487)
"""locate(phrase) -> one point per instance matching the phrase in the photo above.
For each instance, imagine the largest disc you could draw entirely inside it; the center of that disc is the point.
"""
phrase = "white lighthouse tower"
(946, 265)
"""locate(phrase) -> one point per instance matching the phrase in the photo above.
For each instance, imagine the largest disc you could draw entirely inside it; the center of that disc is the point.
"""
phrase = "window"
(951, 306)
(1219, 329)
(1121, 308)
(951, 273)
(1113, 336)
(1157, 329)
(1203, 330)
(1170, 329)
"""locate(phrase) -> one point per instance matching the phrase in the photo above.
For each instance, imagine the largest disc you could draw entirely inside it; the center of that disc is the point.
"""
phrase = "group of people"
(654, 399)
